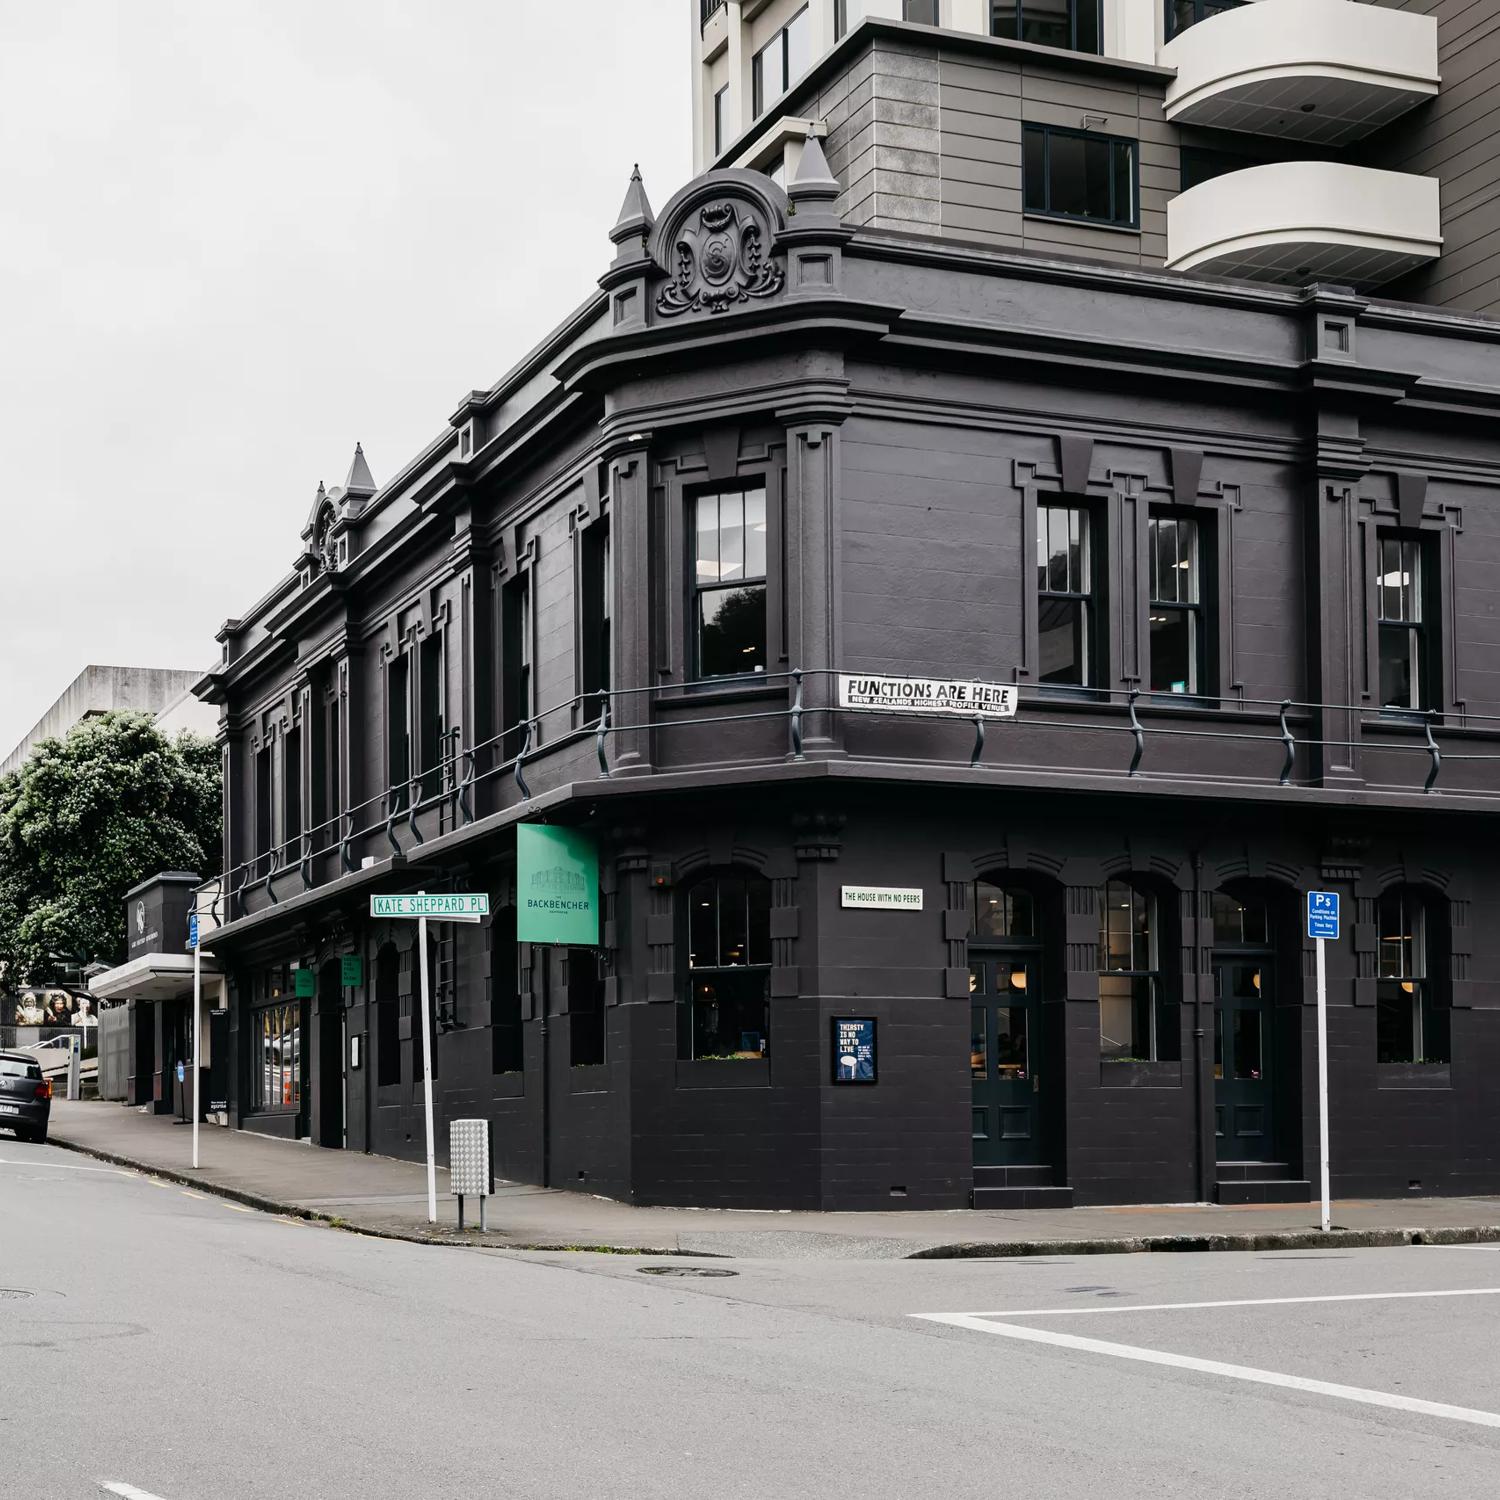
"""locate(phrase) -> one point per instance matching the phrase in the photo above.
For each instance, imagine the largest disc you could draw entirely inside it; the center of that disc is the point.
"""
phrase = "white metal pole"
(197, 1042)
(427, 1069)
(1323, 1078)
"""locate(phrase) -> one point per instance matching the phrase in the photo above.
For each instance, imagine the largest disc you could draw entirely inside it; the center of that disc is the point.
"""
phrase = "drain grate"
(685, 1271)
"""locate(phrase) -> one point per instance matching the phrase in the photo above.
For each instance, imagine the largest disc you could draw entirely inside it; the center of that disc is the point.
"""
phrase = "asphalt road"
(174, 1346)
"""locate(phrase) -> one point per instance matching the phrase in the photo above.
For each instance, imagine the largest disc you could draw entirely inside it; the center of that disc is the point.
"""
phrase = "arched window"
(726, 1011)
(1241, 922)
(1004, 912)
(1138, 1019)
(1411, 1023)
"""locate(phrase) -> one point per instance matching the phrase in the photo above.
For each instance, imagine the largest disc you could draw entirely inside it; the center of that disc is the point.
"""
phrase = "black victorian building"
(1235, 547)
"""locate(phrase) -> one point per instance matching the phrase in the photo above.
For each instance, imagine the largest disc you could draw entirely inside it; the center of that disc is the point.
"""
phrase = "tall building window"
(1179, 629)
(431, 728)
(924, 12)
(291, 794)
(1004, 912)
(1065, 596)
(517, 696)
(596, 609)
(507, 1041)
(1410, 1024)
(725, 1013)
(387, 1017)
(1184, 13)
(1076, 174)
(1240, 924)
(729, 588)
(1073, 24)
(1403, 636)
(398, 731)
(721, 105)
(1138, 1021)
(324, 767)
(265, 811)
(586, 1013)
(785, 58)
(840, 18)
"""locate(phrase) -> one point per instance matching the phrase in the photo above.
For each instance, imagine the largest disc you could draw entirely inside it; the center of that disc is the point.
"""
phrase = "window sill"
(508, 1086)
(1139, 1075)
(589, 1078)
(1414, 1075)
(749, 689)
(746, 1073)
(1079, 221)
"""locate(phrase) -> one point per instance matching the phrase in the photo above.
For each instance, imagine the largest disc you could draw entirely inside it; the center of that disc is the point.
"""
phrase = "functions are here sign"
(557, 886)
(928, 695)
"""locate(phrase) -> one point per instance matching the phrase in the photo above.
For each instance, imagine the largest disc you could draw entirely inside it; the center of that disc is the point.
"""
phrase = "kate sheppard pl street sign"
(450, 908)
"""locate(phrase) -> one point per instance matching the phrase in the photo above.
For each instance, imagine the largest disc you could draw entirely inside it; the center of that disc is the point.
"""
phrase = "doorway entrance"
(330, 1114)
(1244, 1109)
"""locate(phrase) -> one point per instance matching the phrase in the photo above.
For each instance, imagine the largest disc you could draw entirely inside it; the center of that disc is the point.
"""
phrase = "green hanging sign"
(557, 886)
(351, 971)
(307, 984)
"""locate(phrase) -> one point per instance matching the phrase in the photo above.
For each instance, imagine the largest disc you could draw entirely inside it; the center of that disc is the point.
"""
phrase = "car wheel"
(23, 1134)
(38, 1137)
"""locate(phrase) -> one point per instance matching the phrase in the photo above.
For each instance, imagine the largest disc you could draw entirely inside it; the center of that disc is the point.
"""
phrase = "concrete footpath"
(378, 1195)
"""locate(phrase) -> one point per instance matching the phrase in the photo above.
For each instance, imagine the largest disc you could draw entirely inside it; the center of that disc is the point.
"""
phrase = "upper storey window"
(1073, 24)
(1077, 174)
(730, 582)
(924, 12)
(1403, 635)
(1184, 13)
(787, 56)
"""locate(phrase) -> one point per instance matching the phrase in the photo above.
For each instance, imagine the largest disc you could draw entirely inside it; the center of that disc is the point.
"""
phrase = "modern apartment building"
(738, 576)
(1288, 141)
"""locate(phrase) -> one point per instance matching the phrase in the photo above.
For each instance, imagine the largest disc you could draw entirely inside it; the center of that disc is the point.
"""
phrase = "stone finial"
(360, 480)
(814, 182)
(636, 219)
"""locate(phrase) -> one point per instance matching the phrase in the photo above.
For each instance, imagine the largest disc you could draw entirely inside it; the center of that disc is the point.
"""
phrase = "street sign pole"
(1323, 925)
(1323, 1077)
(421, 907)
(422, 960)
(197, 1041)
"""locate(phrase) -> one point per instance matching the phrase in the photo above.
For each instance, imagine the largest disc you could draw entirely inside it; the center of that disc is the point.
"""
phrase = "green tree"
(87, 817)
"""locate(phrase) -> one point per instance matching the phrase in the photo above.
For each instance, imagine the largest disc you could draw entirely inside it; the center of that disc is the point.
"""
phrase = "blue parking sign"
(1323, 915)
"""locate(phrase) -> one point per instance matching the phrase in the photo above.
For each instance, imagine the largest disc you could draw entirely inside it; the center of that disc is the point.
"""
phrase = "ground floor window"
(726, 1012)
(1411, 1026)
(586, 1017)
(276, 1031)
(507, 1041)
(1138, 1019)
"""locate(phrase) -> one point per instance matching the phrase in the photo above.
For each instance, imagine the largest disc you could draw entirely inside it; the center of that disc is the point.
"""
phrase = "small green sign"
(307, 984)
(557, 886)
(351, 971)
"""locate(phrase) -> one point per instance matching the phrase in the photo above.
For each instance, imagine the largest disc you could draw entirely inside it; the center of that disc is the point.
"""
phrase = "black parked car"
(25, 1097)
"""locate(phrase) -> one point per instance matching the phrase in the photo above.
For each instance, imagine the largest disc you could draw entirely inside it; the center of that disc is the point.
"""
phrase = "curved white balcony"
(1298, 221)
(1323, 71)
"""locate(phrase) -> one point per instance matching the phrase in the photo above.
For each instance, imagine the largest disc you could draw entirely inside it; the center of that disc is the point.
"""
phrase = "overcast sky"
(235, 238)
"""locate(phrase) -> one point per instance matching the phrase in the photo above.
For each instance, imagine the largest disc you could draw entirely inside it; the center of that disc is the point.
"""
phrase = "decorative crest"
(721, 260)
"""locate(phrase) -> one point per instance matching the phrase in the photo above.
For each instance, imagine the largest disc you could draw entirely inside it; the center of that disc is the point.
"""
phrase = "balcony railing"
(710, 8)
(1273, 742)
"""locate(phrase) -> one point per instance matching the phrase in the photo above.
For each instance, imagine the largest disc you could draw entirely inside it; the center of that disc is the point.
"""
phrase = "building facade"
(1280, 140)
(692, 578)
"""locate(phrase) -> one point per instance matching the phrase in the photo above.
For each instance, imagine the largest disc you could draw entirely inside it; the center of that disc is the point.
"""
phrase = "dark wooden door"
(1244, 1115)
(1004, 1045)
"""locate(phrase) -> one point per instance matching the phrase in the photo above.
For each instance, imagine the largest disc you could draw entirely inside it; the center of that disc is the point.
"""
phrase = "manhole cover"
(13, 1294)
(685, 1271)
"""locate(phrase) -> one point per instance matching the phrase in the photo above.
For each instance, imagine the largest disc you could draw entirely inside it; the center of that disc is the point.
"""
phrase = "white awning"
(155, 976)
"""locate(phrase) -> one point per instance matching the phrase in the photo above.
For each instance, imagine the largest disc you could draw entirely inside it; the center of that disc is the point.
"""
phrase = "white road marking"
(1216, 1367)
(1117, 1307)
(125, 1491)
(62, 1166)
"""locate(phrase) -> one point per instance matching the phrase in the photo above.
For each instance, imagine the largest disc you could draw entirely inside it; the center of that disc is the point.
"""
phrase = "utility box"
(471, 1172)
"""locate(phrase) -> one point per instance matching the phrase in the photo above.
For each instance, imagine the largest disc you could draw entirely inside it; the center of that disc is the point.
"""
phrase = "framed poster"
(853, 1049)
